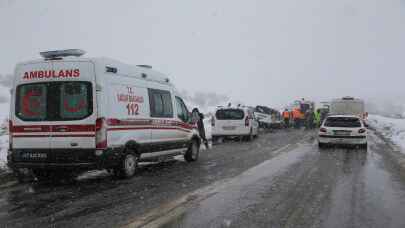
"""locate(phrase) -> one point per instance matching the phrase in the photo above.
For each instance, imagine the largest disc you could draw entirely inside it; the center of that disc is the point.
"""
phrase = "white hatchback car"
(343, 129)
(234, 122)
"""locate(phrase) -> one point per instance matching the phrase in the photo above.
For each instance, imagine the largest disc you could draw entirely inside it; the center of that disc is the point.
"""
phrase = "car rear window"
(230, 114)
(54, 101)
(342, 122)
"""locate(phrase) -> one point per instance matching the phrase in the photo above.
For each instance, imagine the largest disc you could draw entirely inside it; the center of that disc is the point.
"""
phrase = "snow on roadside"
(391, 128)
(3, 151)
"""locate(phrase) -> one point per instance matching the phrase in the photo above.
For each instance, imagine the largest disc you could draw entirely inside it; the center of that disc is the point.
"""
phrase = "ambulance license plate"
(34, 156)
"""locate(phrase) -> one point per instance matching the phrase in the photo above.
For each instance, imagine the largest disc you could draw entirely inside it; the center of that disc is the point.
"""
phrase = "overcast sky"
(261, 52)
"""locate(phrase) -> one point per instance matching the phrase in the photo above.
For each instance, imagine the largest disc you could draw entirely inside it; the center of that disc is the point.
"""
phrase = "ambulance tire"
(193, 152)
(128, 165)
(363, 146)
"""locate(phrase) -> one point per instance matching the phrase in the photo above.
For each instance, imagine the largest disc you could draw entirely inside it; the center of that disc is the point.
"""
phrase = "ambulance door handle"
(61, 129)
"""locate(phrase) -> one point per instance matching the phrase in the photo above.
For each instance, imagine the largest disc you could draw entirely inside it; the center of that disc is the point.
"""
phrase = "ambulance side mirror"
(189, 118)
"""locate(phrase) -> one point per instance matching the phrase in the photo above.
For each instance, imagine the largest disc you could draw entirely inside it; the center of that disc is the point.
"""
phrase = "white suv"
(239, 122)
(343, 129)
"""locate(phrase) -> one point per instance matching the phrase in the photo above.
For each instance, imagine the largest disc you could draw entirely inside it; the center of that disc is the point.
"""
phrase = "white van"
(234, 122)
(70, 113)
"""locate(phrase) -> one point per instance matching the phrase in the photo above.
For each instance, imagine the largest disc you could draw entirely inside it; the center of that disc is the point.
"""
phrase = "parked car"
(234, 122)
(342, 129)
(70, 113)
(268, 117)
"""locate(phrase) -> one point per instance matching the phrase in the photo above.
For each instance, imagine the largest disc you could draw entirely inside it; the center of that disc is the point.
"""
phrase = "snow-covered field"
(392, 129)
(4, 108)
(3, 151)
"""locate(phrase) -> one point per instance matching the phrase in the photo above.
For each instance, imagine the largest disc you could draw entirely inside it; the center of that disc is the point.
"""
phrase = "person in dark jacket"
(198, 117)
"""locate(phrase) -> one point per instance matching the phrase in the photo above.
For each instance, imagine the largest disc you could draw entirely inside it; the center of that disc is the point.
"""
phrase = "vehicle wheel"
(250, 136)
(214, 139)
(363, 146)
(321, 145)
(128, 166)
(193, 152)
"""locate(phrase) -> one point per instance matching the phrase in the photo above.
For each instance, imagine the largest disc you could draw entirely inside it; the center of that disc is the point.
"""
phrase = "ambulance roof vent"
(145, 66)
(62, 53)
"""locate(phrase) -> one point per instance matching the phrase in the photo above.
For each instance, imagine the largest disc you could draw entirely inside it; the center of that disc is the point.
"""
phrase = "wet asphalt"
(280, 179)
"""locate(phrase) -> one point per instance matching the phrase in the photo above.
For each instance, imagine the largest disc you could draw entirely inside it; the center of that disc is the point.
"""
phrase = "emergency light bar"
(62, 53)
(145, 66)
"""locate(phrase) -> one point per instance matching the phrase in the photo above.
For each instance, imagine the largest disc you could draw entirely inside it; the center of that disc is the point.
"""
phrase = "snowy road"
(278, 180)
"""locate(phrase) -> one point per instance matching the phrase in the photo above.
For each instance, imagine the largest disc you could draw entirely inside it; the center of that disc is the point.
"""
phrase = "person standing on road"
(296, 114)
(286, 116)
(307, 119)
(324, 113)
(317, 118)
(198, 117)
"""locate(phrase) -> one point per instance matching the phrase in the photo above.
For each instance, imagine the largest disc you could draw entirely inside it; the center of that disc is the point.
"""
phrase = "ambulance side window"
(161, 104)
(182, 112)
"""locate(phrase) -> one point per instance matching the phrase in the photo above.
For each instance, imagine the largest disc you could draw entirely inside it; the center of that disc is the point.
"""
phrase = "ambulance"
(69, 114)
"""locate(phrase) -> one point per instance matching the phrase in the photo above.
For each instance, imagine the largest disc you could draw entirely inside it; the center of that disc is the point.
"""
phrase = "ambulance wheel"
(127, 166)
(363, 146)
(193, 152)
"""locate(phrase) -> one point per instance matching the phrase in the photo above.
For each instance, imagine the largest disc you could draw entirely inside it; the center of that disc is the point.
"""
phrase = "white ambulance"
(70, 113)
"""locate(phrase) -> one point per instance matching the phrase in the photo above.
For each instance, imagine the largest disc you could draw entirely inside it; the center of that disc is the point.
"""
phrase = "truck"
(347, 106)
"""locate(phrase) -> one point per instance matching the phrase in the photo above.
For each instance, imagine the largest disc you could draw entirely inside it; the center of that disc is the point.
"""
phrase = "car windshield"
(230, 114)
(54, 101)
(342, 122)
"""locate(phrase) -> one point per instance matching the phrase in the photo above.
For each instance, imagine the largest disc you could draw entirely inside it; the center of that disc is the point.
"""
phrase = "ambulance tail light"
(213, 122)
(101, 133)
(323, 130)
(10, 135)
(247, 121)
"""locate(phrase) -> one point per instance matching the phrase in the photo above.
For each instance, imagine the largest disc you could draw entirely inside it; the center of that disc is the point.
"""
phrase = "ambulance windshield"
(54, 101)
